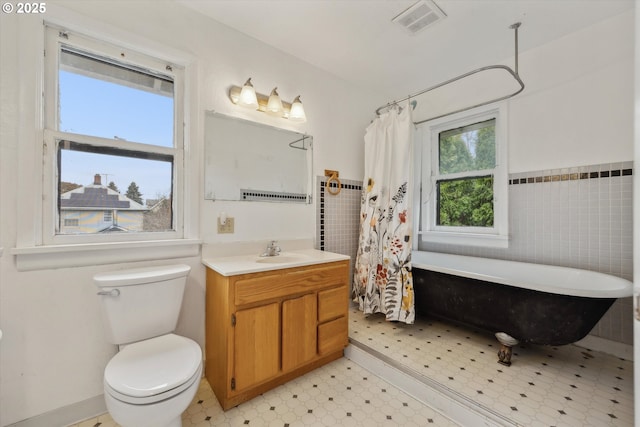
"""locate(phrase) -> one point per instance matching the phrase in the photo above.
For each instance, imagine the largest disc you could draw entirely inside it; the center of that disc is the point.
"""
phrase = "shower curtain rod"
(462, 76)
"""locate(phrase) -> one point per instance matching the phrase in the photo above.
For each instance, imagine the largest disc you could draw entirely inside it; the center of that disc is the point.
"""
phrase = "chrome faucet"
(272, 249)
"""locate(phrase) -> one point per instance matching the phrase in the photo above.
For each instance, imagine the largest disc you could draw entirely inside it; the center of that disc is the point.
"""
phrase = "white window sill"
(63, 256)
(466, 239)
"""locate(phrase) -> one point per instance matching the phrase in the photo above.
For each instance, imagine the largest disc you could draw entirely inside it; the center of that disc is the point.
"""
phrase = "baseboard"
(67, 415)
(614, 348)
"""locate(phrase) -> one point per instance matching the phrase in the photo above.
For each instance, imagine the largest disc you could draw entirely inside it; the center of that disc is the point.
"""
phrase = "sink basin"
(281, 259)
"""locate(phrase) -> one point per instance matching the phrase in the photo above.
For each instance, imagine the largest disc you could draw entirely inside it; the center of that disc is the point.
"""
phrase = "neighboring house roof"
(113, 228)
(92, 197)
(156, 204)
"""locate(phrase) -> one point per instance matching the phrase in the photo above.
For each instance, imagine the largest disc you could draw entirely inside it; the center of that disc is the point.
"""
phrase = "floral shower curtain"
(382, 278)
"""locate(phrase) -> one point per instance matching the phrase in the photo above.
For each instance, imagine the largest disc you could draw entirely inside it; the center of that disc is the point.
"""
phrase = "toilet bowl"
(156, 374)
(150, 383)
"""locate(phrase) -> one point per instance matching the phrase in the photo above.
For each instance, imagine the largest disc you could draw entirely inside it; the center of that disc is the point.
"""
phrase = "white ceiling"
(356, 40)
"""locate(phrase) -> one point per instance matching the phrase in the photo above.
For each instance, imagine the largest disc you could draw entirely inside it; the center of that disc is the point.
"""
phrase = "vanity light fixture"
(272, 104)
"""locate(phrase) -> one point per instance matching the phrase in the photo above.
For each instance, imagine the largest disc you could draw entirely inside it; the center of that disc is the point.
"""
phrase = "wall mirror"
(250, 161)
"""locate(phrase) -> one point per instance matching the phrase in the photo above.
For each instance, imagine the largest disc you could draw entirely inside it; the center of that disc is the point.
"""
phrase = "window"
(71, 222)
(464, 179)
(113, 135)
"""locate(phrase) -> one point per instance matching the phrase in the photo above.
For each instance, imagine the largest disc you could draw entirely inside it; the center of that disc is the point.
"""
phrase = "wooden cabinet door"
(257, 345)
(299, 337)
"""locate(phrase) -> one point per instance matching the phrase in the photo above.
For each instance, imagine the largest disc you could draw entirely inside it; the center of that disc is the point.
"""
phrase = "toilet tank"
(141, 303)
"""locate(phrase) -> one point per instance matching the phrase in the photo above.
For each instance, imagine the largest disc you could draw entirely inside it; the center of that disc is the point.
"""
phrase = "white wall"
(53, 351)
(577, 107)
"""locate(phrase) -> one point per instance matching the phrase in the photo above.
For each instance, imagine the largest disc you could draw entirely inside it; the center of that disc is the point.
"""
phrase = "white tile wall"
(338, 217)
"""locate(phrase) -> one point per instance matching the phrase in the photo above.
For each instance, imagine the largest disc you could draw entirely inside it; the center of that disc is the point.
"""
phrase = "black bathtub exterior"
(529, 316)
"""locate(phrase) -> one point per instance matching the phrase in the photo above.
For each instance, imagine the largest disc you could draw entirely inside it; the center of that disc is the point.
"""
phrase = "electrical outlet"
(227, 228)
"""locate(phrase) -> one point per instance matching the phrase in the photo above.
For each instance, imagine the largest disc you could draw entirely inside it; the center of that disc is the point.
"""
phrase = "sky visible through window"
(95, 107)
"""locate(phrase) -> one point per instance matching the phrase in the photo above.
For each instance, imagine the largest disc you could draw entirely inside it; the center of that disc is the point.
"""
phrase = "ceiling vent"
(419, 16)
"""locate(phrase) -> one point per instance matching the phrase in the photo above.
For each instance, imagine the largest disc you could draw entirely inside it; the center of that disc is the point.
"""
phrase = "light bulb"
(248, 96)
(297, 111)
(274, 105)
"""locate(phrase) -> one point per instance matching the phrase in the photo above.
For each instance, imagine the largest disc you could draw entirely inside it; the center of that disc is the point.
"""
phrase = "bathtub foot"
(507, 342)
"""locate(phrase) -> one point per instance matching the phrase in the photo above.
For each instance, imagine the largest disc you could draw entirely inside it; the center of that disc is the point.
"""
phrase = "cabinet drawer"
(258, 288)
(261, 287)
(317, 277)
(333, 336)
(332, 303)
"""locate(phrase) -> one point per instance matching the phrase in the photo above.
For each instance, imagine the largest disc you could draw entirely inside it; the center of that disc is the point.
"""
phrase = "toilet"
(155, 374)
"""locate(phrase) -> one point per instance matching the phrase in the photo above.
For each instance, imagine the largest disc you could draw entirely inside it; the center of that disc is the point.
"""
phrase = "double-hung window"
(113, 143)
(464, 179)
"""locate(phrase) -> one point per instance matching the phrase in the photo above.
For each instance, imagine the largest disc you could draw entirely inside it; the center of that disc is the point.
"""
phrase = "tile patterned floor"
(340, 393)
(545, 386)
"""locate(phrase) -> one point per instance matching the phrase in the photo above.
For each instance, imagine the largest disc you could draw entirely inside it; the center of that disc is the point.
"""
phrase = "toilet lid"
(153, 366)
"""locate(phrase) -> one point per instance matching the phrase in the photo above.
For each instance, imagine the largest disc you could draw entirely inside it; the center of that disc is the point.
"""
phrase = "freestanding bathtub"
(533, 303)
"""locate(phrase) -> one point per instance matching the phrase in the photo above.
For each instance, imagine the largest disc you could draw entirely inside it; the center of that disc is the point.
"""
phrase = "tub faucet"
(272, 249)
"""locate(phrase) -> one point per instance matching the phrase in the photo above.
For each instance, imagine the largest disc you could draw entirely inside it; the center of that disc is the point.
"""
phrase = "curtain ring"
(333, 176)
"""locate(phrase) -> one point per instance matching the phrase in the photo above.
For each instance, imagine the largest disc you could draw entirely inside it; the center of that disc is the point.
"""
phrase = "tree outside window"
(467, 158)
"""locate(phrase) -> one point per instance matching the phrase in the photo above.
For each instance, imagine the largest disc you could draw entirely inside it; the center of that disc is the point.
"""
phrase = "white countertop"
(242, 264)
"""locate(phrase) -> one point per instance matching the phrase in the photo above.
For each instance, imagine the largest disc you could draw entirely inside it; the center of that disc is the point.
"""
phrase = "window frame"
(54, 38)
(429, 231)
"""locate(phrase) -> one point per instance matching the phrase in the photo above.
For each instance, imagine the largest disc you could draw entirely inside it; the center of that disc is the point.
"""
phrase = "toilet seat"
(153, 370)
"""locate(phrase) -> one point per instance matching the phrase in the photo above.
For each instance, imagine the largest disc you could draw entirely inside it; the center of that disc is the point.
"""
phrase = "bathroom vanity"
(269, 320)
